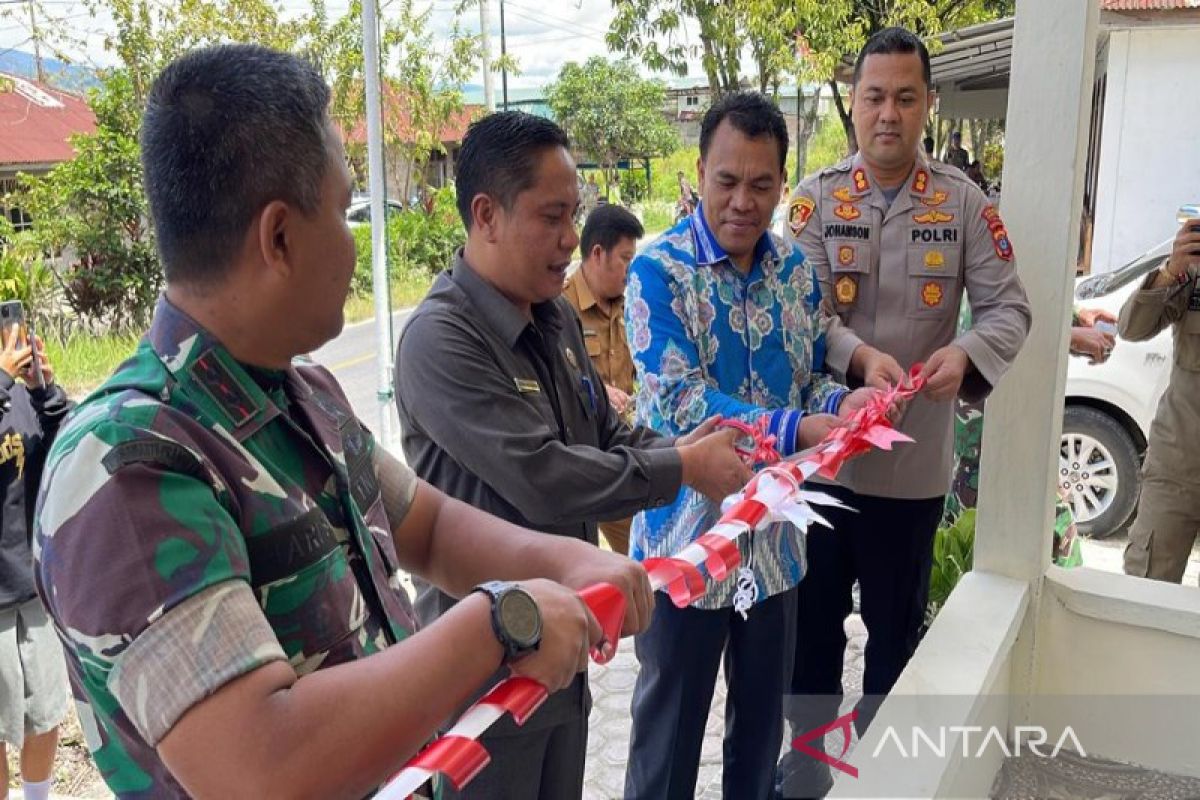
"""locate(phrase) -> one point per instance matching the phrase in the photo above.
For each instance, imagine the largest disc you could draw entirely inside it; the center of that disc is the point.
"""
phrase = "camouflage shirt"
(200, 519)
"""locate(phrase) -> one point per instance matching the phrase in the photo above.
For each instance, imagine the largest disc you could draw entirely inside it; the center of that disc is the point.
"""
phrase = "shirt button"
(660, 501)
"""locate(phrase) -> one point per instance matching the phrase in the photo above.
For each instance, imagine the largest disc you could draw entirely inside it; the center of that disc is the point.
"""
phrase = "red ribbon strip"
(683, 580)
(757, 446)
(607, 605)
(723, 555)
(458, 758)
(518, 696)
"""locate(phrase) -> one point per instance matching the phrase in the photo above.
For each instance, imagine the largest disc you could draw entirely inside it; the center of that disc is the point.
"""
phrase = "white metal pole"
(485, 39)
(378, 188)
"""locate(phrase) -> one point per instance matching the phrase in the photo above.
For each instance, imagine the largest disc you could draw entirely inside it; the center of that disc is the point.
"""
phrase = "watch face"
(520, 616)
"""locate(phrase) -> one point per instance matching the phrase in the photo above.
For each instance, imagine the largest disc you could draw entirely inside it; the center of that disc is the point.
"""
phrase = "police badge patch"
(799, 213)
(846, 289)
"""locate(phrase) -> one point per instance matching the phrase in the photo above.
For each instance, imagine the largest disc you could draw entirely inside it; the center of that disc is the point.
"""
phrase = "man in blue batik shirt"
(722, 319)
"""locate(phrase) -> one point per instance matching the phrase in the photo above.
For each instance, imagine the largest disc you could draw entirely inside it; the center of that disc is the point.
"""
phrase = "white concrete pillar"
(1049, 107)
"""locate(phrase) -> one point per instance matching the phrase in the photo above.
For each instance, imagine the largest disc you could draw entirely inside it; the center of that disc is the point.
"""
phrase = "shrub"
(953, 555)
(421, 242)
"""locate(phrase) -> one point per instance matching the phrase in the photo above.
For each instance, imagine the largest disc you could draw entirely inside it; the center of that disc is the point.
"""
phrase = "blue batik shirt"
(706, 340)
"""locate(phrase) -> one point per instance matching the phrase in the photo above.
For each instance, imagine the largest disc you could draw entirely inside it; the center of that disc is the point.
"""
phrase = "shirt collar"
(496, 310)
(709, 250)
(582, 290)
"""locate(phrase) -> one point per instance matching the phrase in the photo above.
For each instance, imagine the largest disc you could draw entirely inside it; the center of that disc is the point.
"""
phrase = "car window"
(1100, 285)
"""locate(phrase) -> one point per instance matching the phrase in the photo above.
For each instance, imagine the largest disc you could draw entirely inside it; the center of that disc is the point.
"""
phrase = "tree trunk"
(844, 115)
(806, 126)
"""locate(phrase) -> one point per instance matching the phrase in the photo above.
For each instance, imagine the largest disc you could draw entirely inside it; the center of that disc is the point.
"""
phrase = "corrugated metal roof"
(36, 122)
(1147, 5)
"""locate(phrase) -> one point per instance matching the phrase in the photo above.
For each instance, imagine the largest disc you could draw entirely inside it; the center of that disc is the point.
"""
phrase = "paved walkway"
(608, 737)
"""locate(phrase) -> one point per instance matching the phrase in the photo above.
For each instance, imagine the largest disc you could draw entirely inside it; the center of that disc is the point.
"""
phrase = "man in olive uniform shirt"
(597, 293)
(1168, 516)
(895, 241)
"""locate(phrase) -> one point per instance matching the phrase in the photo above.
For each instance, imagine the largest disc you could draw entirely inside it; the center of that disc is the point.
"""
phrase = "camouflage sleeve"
(131, 535)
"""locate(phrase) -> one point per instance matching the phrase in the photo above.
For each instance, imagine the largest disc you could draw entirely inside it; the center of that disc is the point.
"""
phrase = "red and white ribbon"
(774, 494)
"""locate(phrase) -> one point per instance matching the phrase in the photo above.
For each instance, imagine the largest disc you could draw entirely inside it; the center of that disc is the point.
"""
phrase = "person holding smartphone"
(33, 677)
(1168, 516)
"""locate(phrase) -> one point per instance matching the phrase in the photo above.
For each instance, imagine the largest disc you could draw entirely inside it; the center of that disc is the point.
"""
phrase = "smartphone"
(13, 313)
(1106, 327)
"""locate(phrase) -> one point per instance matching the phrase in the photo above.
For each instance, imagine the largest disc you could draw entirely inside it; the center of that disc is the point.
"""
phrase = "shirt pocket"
(591, 341)
(933, 279)
(850, 264)
(305, 585)
(1187, 342)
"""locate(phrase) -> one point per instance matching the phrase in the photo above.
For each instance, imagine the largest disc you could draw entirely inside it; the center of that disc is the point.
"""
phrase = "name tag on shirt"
(527, 386)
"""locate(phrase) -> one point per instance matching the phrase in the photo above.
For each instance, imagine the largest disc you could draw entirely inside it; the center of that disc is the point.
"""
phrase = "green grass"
(82, 362)
(657, 216)
(406, 292)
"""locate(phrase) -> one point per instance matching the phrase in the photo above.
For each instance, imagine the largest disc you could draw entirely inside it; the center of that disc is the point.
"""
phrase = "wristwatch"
(516, 620)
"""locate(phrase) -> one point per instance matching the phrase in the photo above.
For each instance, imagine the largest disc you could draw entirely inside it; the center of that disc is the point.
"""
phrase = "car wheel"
(1098, 470)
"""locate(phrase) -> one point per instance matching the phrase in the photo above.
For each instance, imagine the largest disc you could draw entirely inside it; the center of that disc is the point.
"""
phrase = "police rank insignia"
(934, 259)
(843, 195)
(847, 212)
(799, 213)
(920, 181)
(846, 255)
(932, 217)
(846, 289)
(938, 198)
(1000, 240)
(932, 294)
(860, 180)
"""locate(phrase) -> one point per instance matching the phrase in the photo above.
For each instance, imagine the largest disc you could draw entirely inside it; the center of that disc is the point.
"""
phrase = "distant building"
(36, 125)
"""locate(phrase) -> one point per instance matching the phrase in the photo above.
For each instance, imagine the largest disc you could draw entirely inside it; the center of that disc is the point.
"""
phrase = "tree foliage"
(91, 212)
(795, 40)
(610, 112)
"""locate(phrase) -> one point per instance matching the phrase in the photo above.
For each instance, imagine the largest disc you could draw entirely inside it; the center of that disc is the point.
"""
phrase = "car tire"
(1108, 497)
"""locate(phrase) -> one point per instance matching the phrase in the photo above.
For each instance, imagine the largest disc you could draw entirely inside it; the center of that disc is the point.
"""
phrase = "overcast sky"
(541, 40)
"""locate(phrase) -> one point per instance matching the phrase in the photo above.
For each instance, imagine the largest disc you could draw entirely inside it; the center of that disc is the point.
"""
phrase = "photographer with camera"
(33, 678)
(1168, 517)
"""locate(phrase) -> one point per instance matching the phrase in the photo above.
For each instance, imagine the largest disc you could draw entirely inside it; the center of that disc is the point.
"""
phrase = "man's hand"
(1184, 254)
(711, 464)
(1088, 317)
(602, 566)
(617, 399)
(815, 427)
(1096, 345)
(30, 377)
(17, 355)
(877, 368)
(944, 372)
(568, 631)
(861, 398)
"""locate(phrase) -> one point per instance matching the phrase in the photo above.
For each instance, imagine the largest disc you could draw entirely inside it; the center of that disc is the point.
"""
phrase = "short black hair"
(927, 143)
(606, 226)
(894, 40)
(752, 113)
(226, 130)
(498, 156)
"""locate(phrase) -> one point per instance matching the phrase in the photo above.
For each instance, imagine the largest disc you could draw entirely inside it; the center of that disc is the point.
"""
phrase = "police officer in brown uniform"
(1168, 517)
(895, 240)
(597, 293)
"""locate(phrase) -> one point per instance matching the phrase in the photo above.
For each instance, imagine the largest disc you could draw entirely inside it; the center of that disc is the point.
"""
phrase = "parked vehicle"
(359, 212)
(1109, 407)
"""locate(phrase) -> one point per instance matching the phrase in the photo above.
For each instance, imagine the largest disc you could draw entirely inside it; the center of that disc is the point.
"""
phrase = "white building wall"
(1149, 157)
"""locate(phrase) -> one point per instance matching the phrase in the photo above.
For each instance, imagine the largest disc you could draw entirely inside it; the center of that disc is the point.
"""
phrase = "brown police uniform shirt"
(603, 333)
(1173, 433)
(892, 276)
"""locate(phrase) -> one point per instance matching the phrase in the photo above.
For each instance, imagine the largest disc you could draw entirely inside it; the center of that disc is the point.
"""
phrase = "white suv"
(1109, 407)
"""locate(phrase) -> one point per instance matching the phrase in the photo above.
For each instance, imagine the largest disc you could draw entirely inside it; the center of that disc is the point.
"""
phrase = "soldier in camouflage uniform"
(218, 537)
(968, 438)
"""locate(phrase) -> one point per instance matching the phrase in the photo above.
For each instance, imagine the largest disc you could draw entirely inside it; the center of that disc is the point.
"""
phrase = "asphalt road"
(352, 357)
